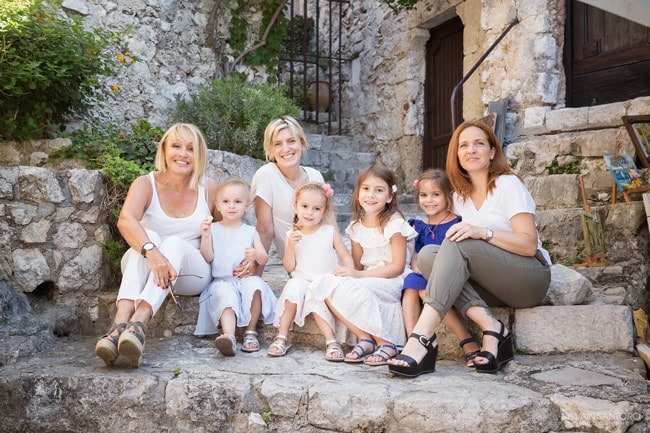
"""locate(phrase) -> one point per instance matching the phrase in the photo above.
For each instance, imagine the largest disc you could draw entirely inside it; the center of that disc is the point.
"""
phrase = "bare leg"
(425, 326)
(142, 314)
(228, 321)
(125, 309)
(486, 321)
(256, 308)
(411, 308)
(333, 349)
(285, 323)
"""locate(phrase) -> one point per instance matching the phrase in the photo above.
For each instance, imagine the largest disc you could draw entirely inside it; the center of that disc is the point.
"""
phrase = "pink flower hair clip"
(416, 182)
(329, 192)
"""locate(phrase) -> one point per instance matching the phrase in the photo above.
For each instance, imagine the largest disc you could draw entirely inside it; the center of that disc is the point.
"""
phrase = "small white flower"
(394, 188)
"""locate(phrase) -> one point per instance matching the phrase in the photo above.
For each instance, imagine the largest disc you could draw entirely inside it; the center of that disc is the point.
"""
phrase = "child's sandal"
(333, 351)
(281, 344)
(226, 344)
(359, 351)
(250, 343)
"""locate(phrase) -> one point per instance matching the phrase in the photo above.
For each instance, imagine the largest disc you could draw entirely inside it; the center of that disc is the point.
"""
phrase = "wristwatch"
(489, 234)
(147, 246)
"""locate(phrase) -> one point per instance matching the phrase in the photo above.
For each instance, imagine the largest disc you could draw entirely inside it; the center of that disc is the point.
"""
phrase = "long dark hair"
(384, 173)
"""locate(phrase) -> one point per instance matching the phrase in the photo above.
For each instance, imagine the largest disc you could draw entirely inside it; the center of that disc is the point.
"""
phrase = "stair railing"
(454, 124)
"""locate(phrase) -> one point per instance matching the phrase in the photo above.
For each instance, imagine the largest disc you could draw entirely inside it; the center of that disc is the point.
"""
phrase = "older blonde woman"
(161, 220)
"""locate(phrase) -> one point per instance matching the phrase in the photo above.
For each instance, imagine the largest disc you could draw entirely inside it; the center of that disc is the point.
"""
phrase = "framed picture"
(639, 129)
(624, 171)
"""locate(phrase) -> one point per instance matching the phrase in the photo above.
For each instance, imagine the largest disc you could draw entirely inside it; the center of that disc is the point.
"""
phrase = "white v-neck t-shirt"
(509, 198)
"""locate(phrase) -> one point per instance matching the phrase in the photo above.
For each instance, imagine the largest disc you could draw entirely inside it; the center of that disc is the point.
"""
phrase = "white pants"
(193, 272)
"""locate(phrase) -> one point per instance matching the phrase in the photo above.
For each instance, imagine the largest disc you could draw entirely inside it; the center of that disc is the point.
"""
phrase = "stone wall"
(53, 225)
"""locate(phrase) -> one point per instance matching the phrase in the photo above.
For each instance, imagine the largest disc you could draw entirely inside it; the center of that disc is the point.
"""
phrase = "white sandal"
(333, 347)
(226, 344)
(250, 339)
(283, 347)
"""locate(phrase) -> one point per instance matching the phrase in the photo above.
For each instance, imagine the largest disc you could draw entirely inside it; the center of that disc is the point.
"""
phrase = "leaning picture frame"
(638, 127)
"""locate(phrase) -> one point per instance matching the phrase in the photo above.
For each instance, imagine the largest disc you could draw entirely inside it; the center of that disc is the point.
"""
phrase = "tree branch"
(262, 42)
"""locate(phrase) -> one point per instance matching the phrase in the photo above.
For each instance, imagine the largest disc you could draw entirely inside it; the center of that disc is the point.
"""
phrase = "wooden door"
(444, 69)
(607, 58)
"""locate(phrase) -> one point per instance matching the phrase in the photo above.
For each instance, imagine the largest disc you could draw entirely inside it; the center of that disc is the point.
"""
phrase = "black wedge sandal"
(469, 356)
(426, 365)
(505, 352)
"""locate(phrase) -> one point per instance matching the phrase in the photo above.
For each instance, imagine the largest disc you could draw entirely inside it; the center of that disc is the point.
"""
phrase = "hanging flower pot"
(323, 102)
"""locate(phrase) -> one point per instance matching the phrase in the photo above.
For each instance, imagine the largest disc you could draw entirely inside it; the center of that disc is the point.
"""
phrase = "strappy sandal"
(332, 347)
(283, 347)
(360, 352)
(226, 344)
(426, 365)
(250, 340)
(504, 355)
(131, 342)
(382, 354)
(469, 356)
(106, 347)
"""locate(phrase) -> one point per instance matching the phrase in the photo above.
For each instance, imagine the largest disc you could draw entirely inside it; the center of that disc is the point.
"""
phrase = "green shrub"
(49, 66)
(233, 114)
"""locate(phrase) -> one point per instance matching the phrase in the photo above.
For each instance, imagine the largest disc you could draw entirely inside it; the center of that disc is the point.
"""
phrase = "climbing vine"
(267, 48)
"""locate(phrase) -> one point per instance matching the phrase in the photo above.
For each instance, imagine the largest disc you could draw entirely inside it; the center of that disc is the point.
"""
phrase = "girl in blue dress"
(434, 194)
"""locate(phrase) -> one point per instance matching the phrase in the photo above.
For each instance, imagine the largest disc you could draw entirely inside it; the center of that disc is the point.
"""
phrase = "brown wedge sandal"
(131, 343)
(106, 347)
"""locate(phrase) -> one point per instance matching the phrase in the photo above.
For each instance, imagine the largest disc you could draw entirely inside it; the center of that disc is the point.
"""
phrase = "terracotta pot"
(323, 103)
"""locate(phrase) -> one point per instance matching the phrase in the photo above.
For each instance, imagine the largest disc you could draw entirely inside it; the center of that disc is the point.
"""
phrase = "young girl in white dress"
(366, 298)
(233, 299)
(313, 247)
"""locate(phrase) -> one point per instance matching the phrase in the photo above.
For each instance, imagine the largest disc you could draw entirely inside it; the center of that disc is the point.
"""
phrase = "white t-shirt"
(270, 185)
(509, 198)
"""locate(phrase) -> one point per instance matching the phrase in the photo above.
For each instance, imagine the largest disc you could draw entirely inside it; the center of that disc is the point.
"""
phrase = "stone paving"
(184, 384)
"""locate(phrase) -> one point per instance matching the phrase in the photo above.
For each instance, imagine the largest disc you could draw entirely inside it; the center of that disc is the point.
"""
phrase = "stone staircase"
(574, 369)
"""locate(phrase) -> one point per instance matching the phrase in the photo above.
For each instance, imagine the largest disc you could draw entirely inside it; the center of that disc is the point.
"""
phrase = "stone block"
(559, 329)
(568, 287)
(566, 119)
(555, 191)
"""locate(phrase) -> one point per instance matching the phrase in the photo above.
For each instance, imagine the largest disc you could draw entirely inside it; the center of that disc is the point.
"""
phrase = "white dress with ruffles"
(371, 304)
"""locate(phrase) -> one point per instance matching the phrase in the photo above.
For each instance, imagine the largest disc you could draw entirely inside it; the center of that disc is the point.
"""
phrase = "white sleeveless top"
(187, 228)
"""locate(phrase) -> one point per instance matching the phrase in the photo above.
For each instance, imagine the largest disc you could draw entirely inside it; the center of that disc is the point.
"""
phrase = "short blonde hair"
(273, 129)
(235, 181)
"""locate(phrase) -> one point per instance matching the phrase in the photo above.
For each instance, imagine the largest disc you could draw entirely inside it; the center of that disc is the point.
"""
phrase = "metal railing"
(314, 55)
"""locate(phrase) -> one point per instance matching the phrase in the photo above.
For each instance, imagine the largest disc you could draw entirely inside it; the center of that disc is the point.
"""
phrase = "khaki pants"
(475, 273)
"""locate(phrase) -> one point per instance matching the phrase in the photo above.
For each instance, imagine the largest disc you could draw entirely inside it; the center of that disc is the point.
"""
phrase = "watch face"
(148, 247)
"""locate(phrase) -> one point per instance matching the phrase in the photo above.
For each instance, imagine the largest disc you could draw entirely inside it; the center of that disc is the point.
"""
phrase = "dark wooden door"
(444, 69)
(607, 58)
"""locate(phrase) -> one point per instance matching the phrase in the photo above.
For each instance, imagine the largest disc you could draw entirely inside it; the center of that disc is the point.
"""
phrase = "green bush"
(49, 66)
(233, 114)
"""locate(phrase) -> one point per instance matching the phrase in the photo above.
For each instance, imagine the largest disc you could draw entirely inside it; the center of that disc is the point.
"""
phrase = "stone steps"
(184, 385)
